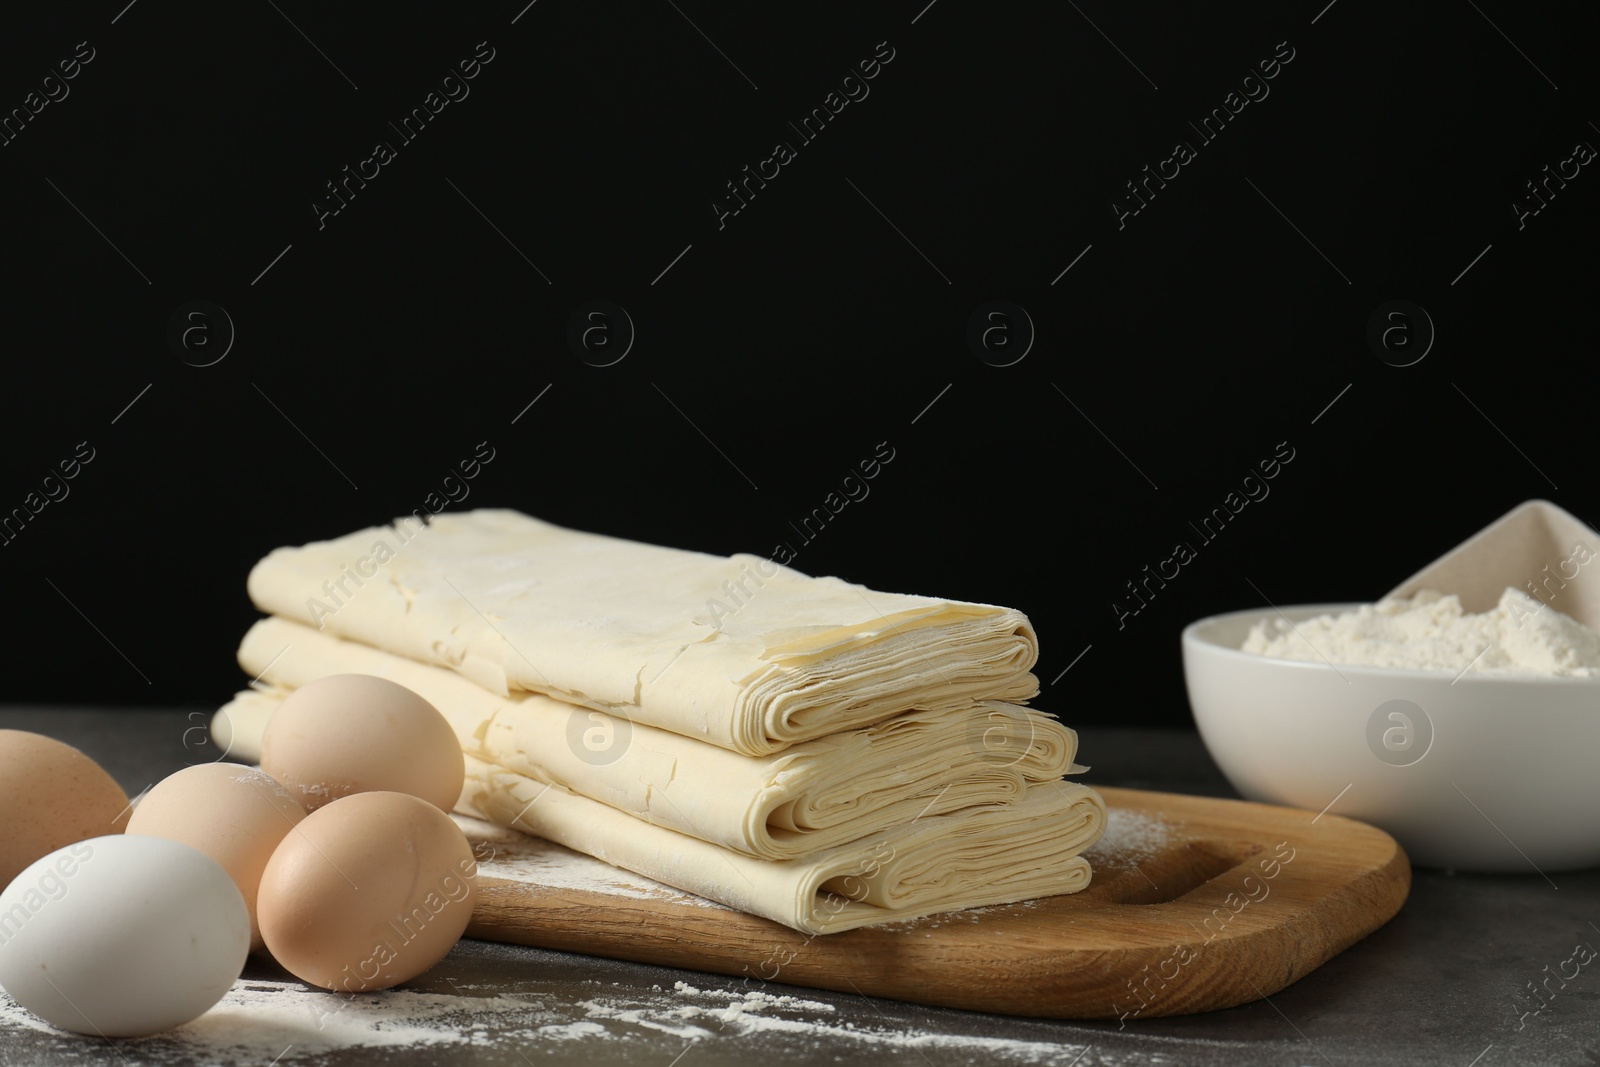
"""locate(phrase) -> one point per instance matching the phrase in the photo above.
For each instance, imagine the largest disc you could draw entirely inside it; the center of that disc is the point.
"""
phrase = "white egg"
(122, 935)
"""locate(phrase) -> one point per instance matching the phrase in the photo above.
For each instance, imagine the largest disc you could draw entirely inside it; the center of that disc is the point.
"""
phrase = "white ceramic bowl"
(1482, 773)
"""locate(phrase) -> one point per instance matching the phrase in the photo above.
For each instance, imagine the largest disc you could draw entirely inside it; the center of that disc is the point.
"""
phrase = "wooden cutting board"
(1196, 904)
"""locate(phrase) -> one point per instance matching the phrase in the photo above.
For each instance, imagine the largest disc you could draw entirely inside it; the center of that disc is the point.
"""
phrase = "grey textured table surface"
(1437, 985)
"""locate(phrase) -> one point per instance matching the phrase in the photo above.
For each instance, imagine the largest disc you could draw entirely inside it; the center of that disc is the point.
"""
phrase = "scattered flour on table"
(754, 999)
(258, 1019)
(713, 1013)
(518, 857)
(263, 1022)
(1430, 632)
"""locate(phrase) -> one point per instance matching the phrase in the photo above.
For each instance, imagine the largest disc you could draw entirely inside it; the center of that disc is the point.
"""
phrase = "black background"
(809, 327)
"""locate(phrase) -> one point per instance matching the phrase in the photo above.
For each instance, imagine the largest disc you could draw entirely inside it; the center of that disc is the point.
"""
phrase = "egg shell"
(232, 813)
(122, 935)
(50, 796)
(369, 891)
(353, 733)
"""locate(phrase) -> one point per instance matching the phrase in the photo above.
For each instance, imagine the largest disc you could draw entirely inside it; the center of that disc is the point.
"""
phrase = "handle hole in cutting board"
(1168, 874)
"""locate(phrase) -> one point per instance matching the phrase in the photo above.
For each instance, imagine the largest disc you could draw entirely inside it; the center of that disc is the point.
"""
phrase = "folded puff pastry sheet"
(976, 857)
(813, 796)
(736, 651)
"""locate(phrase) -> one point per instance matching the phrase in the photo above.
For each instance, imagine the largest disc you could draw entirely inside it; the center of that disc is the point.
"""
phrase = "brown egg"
(355, 733)
(51, 796)
(369, 891)
(232, 813)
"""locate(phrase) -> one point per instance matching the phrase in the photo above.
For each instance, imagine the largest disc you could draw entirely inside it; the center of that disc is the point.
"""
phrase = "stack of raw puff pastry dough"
(805, 749)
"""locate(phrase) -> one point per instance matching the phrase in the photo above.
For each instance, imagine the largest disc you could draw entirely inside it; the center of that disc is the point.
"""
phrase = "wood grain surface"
(1227, 903)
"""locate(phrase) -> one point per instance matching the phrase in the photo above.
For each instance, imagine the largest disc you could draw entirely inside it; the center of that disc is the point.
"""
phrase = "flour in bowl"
(1430, 632)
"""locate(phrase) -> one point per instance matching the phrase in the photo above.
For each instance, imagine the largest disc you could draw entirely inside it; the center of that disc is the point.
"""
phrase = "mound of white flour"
(1429, 632)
